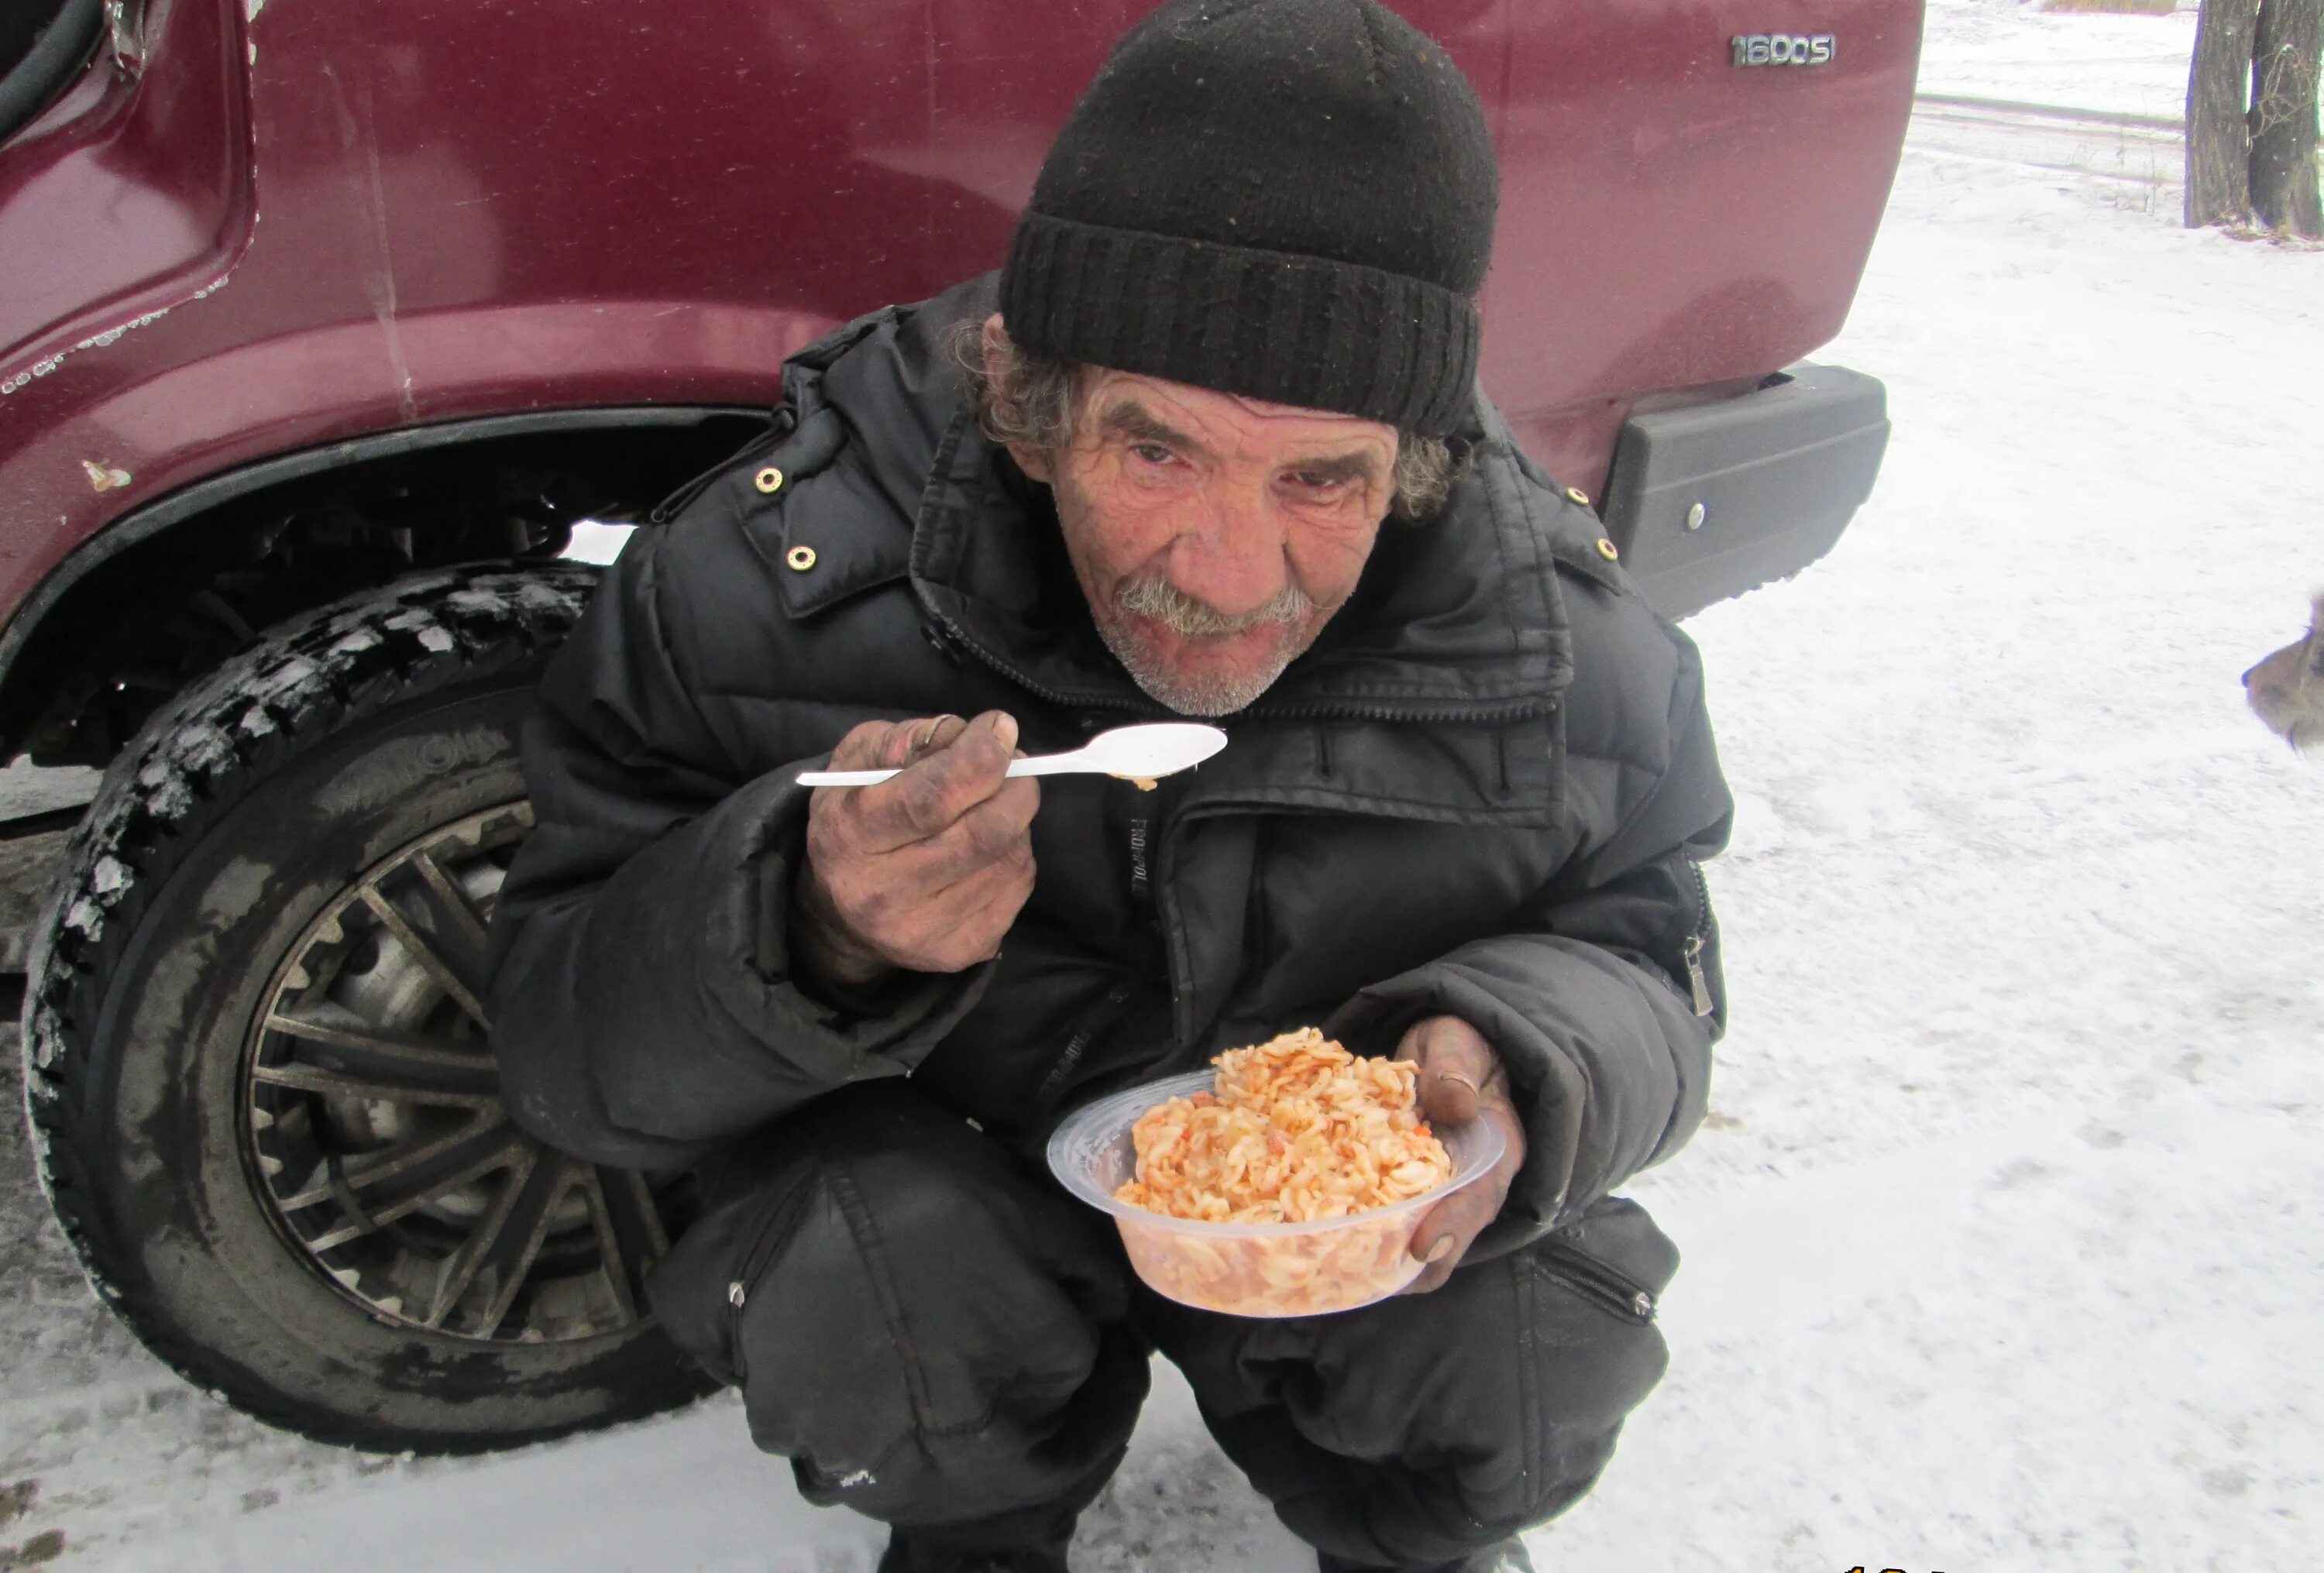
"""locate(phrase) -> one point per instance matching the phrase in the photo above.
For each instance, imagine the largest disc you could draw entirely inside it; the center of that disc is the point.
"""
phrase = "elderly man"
(1211, 446)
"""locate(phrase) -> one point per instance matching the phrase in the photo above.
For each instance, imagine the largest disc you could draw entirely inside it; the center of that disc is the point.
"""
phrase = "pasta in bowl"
(1286, 1182)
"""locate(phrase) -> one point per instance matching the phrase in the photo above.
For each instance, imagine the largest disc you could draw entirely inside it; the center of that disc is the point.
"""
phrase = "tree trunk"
(2219, 138)
(2285, 47)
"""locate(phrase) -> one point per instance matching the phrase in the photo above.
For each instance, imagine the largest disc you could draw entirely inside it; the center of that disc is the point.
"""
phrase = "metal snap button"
(768, 479)
(1579, 495)
(801, 559)
(1606, 549)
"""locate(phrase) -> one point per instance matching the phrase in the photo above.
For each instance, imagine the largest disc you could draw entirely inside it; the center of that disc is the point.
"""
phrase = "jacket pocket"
(1595, 1281)
(1614, 1256)
(1699, 935)
(774, 1228)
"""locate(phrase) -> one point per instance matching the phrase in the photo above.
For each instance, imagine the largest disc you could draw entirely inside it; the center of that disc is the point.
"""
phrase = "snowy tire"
(257, 1069)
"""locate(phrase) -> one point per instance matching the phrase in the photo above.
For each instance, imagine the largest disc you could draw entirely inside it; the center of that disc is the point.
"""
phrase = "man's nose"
(1233, 561)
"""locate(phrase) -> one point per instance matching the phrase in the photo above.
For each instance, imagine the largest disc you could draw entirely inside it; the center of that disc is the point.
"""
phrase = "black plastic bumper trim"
(1777, 473)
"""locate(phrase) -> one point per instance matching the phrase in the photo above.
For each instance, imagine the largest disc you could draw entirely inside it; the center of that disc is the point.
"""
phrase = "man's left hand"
(1460, 1078)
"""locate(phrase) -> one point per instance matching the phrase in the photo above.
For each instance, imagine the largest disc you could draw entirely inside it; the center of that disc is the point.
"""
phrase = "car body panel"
(355, 216)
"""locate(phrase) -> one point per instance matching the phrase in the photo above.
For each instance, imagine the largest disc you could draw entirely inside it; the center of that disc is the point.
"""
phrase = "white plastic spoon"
(1134, 753)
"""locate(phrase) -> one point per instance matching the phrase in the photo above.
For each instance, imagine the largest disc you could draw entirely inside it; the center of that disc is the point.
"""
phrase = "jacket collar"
(1459, 622)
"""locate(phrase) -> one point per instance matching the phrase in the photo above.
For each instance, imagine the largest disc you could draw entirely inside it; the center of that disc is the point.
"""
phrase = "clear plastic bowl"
(1253, 1269)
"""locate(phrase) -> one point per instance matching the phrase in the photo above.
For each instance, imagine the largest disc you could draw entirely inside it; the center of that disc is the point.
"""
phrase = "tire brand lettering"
(1784, 48)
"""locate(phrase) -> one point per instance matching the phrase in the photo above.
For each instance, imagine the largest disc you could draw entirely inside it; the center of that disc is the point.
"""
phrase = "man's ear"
(997, 353)
(1033, 463)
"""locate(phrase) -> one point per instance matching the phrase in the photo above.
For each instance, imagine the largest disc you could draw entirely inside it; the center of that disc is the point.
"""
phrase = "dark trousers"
(935, 1335)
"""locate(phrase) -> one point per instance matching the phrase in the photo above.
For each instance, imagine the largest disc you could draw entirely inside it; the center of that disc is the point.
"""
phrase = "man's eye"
(1153, 453)
(1313, 481)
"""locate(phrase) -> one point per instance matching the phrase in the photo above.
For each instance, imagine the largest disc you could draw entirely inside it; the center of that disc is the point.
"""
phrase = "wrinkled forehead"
(1133, 405)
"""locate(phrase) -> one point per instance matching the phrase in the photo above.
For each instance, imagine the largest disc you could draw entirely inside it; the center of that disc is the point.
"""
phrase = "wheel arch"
(246, 548)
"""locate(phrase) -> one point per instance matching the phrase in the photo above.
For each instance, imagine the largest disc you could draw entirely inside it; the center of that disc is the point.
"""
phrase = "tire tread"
(193, 760)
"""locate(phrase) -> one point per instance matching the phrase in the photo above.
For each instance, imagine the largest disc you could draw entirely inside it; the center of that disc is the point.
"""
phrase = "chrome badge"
(1784, 48)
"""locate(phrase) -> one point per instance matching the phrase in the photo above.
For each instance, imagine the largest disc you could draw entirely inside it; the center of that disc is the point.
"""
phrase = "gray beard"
(1183, 614)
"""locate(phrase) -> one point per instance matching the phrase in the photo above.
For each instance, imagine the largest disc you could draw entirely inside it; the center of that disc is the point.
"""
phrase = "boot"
(1507, 1556)
(915, 1551)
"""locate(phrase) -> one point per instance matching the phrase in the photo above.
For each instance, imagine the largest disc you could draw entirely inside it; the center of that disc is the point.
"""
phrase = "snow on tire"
(257, 1066)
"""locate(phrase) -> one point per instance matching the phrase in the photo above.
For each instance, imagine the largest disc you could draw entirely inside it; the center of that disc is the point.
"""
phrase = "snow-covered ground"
(2002, 48)
(2003, 1243)
(28, 789)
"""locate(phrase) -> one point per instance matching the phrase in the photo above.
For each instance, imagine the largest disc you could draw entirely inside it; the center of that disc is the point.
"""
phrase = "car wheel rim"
(374, 1133)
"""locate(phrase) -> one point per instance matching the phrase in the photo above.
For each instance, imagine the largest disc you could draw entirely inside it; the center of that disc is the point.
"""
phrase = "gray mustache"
(1180, 613)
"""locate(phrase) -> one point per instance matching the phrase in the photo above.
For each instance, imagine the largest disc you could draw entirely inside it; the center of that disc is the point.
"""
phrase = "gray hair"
(1031, 403)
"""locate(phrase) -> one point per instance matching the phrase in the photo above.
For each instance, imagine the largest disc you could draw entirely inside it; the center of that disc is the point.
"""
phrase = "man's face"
(1214, 536)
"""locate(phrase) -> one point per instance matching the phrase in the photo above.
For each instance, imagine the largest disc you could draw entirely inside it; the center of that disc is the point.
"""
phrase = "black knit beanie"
(1288, 199)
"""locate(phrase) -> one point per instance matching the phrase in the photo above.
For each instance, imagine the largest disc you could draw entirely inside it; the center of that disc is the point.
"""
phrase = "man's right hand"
(927, 870)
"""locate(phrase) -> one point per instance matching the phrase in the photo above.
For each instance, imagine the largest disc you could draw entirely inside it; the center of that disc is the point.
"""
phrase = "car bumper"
(1711, 501)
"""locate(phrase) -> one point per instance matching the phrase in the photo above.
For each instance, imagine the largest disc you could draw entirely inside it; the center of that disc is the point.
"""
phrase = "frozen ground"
(2004, 1243)
(2002, 48)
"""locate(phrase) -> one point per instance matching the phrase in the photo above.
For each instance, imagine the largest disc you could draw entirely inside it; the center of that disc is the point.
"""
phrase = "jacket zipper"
(1696, 981)
(774, 1229)
(1109, 1012)
(1615, 1291)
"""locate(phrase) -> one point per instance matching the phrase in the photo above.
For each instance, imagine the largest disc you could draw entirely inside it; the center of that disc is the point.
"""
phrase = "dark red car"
(324, 328)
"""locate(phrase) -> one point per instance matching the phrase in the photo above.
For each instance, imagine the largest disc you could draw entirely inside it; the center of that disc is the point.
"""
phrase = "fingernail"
(1004, 727)
(1456, 1076)
(1440, 1250)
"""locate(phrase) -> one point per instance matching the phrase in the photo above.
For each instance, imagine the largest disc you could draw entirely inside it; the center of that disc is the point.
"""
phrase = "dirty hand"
(1460, 1078)
(926, 870)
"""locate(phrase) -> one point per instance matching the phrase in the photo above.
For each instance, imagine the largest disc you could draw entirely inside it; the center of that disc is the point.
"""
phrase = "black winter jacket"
(1483, 792)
